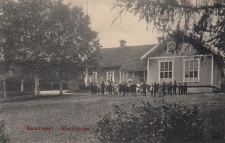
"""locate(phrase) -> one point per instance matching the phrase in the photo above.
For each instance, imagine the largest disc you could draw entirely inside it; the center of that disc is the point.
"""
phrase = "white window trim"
(121, 76)
(125, 77)
(190, 47)
(159, 61)
(107, 78)
(96, 81)
(198, 68)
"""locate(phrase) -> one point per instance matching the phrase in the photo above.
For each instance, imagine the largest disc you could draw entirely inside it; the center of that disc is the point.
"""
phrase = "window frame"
(172, 70)
(92, 79)
(190, 47)
(107, 78)
(191, 80)
(95, 77)
(125, 76)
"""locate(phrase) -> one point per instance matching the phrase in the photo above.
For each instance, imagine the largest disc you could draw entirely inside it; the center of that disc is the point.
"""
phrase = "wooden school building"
(159, 63)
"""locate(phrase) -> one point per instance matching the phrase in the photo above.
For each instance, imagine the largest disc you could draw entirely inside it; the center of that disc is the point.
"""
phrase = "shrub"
(168, 123)
(73, 85)
(4, 138)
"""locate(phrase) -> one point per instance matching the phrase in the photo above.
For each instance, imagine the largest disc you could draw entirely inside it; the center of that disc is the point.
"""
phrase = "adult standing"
(171, 87)
(179, 88)
(110, 87)
(155, 89)
(144, 87)
(95, 88)
(124, 87)
(175, 87)
(102, 87)
(182, 88)
(185, 88)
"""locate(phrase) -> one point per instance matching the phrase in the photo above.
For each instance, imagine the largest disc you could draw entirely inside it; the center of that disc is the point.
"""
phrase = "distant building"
(121, 64)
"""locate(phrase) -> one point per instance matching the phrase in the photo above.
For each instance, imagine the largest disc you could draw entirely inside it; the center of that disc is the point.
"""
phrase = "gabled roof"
(126, 58)
(161, 44)
(152, 49)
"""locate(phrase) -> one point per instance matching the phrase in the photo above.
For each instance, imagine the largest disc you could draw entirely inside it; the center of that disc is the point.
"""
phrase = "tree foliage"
(201, 20)
(38, 35)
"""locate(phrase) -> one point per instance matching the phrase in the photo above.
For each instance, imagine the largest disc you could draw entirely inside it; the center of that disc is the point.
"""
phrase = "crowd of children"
(132, 88)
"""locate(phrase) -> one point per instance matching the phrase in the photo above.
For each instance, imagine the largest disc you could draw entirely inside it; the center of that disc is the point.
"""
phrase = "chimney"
(122, 43)
(159, 39)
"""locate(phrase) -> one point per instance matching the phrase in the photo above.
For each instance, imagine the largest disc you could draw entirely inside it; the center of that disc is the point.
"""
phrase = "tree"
(47, 34)
(201, 20)
(71, 40)
(23, 25)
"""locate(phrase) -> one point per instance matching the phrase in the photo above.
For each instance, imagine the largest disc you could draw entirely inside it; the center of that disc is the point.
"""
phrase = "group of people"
(133, 88)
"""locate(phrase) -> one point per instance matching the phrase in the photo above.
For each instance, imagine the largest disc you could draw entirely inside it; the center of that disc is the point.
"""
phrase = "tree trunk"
(36, 85)
(61, 87)
(22, 87)
(4, 89)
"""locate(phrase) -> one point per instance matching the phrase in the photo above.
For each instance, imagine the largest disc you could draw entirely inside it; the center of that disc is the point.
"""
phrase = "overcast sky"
(130, 29)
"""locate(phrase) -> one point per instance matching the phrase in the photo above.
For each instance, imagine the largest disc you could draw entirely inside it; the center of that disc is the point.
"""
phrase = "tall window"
(110, 76)
(166, 71)
(191, 70)
(93, 77)
(124, 76)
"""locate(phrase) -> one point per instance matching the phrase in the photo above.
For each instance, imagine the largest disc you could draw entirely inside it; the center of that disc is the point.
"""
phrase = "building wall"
(217, 71)
(137, 76)
(178, 69)
(102, 74)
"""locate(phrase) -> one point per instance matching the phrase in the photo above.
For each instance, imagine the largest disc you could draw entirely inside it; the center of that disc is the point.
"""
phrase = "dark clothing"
(124, 89)
(144, 87)
(185, 88)
(175, 88)
(127, 89)
(110, 89)
(102, 88)
(182, 89)
(120, 88)
(95, 88)
(155, 89)
(179, 89)
(171, 88)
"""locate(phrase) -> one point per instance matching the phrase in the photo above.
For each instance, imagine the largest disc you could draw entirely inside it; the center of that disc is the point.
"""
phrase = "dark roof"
(126, 58)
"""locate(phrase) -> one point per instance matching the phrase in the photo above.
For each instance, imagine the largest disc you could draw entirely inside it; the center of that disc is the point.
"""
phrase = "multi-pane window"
(110, 76)
(166, 70)
(191, 70)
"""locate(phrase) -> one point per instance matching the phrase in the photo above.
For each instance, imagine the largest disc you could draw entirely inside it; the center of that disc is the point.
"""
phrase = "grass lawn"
(80, 110)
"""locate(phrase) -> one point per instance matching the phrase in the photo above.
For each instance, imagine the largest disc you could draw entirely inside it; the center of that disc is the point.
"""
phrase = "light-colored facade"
(200, 72)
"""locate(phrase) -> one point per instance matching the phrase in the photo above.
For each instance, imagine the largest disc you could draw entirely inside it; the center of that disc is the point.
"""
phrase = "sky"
(129, 28)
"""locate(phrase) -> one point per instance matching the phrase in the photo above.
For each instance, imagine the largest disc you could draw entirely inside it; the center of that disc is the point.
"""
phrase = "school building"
(121, 64)
(201, 72)
(158, 63)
